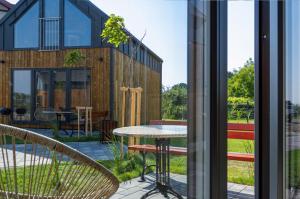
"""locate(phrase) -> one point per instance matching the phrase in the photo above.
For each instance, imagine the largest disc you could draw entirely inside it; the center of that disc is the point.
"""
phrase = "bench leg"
(144, 167)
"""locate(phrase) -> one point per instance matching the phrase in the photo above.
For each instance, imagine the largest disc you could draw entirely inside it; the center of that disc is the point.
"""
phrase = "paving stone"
(135, 189)
(117, 196)
(135, 195)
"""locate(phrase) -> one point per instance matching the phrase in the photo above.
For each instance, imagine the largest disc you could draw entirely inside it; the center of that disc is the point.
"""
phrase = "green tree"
(114, 31)
(241, 81)
(174, 102)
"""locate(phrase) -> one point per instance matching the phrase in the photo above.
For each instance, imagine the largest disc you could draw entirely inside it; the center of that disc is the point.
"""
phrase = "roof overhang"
(6, 4)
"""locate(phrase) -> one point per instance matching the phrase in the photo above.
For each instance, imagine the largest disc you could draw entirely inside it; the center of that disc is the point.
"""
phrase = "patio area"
(135, 189)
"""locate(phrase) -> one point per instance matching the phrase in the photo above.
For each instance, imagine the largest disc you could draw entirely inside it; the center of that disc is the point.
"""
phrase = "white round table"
(162, 135)
(152, 131)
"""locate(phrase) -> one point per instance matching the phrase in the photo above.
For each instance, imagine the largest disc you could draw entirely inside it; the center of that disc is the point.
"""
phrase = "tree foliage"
(174, 102)
(114, 31)
(241, 82)
(73, 57)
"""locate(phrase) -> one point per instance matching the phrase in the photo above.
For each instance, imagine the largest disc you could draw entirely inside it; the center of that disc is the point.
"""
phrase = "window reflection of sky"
(292, 52)
(22, 81)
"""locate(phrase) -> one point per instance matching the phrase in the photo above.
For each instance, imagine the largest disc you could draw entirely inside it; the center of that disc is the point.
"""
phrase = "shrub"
(240, 108)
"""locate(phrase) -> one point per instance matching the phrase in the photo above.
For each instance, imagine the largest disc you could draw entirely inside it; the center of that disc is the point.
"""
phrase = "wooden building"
(36, 35)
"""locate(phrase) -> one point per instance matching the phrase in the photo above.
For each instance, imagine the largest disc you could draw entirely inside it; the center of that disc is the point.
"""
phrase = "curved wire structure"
(35, 166)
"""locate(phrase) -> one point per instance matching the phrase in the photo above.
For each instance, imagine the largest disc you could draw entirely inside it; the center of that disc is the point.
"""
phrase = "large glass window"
(52, 8)
(22, 95)
(49, 88)
(29, 22)
(51, 24)
(77, 26)
(42, 79)
(60, 80)
(292, 98)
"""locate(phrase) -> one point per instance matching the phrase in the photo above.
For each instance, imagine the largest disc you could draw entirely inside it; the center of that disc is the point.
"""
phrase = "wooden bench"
(235, 131)
(241, 132)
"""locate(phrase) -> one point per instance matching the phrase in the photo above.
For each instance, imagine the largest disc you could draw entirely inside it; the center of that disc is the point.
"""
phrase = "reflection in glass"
(29, 22)
(199, 81)
(77, 26)
(81, 88)
(52, 8)
(59, 90)
(51, 23)
(292, 112)
(22, 94)
(42, 89)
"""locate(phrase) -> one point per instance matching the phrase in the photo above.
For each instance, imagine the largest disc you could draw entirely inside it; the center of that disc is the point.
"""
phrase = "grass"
(240, 146)
(42, 180)
(240, 172)
(130, 168)
(241, 121)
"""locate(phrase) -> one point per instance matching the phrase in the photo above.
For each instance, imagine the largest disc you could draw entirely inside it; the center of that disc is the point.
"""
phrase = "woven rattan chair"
(35, 166)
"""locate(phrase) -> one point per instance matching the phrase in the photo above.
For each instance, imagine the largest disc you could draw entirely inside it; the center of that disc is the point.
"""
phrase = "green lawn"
(131, 167)
(238, 172)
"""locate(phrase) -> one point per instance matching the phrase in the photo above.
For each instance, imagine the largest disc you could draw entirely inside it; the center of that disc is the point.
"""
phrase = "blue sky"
(166, 24)
(240, 33)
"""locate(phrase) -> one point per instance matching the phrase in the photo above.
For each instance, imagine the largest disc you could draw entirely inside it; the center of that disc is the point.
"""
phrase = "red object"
(242, 127)
(242, 135)
(235, 131)
(241, 132)
(246, 157)
(152, 149)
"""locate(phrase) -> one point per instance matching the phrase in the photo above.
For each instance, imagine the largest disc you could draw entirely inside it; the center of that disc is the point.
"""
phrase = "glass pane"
(51, 23)
(59, 90)
(22, 95)
(81, 88)
(52, 8)
(51, 35)
(240, 107)
(199, 62)
(42, 89)
(292, 98)
(29, 22)
(77, 26)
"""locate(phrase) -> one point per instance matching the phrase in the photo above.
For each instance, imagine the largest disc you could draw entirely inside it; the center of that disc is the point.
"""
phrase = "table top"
(152, 131)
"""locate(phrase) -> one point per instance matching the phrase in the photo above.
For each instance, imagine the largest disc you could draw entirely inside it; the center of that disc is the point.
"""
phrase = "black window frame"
(52, 85)
(61, 31)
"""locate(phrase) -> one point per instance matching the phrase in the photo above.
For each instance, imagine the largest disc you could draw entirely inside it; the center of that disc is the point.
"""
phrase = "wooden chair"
(40, 167)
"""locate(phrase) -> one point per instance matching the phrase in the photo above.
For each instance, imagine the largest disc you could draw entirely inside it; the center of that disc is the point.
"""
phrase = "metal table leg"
(162, 185)
(58, 119)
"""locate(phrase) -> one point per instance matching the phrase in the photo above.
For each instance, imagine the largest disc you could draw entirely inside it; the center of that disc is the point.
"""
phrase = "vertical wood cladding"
(148, 79)
(98, 60)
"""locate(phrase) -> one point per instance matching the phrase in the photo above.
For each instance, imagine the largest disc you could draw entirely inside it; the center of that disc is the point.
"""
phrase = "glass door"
(292, 98)
(207, 85)
(59, 90)
(42, 89)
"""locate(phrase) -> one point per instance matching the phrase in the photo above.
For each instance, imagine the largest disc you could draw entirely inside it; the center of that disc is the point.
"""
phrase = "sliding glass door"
(57, 89)
(292, 98)
(207, 71)
(42, 87)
